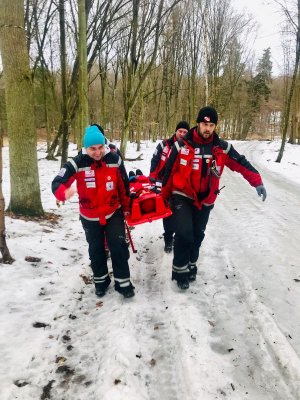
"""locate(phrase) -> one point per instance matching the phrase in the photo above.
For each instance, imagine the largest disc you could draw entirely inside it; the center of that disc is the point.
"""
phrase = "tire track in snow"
(281, 354)
(176, 339)
(156, 327)
(269, 368)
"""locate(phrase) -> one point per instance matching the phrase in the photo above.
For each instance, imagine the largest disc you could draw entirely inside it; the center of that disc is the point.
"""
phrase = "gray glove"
(261, 191)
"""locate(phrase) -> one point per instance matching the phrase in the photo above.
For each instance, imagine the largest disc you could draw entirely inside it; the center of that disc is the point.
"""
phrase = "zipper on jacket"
(202, 163)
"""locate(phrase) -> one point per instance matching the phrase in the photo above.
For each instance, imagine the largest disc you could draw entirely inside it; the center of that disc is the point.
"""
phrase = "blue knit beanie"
(92, 137)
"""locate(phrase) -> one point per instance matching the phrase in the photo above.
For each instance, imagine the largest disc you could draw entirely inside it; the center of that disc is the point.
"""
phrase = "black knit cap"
(182, 125)
(99, 127)
(208, 114)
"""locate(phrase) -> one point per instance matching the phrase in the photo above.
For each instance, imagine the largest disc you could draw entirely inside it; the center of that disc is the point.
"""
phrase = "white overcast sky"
(268, 16)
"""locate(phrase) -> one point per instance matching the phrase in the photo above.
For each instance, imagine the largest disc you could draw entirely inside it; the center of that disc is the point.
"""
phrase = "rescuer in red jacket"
(191, 184)
(157, 169)
(103, 191)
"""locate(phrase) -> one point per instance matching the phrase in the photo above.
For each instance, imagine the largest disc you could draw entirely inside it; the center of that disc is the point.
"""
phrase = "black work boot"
(101, 288)
(126, 291)
(181, 279)
(192, 272)
(183, 283)
(168, 243)
(168, 247)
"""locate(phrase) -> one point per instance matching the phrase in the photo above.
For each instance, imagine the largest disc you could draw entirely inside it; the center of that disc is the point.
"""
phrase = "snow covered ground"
(235, 334)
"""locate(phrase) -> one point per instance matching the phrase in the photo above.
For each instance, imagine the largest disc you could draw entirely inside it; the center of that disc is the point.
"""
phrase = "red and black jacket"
(102, 186)
(160, 157)
(194, 168)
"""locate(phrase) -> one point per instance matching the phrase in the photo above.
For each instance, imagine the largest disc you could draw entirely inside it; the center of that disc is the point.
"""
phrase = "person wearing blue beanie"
(93, 136)
(103, 194)
(112, 146)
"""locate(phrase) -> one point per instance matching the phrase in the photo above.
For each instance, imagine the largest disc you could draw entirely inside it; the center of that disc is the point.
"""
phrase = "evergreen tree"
(258, 91)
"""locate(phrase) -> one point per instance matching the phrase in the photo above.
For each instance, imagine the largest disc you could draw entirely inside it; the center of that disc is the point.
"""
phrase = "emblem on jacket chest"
(109, 185)
(89, 173)
(89, 178)
(185, 151)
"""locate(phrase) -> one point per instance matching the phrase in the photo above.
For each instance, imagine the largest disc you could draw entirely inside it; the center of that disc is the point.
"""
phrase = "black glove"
(261, 191)
(155, 189)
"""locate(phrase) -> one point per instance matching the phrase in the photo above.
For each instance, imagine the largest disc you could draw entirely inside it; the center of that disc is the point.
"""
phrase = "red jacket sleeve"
(61, 183)
(238, 163)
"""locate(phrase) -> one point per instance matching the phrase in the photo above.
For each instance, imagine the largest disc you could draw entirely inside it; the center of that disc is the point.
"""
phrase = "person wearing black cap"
(191, 181)
(157, 169)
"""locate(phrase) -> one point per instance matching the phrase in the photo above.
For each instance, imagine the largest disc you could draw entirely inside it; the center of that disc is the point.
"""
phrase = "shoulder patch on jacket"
(225, 146)
(185, 151)
(159, 148)
(62, 172)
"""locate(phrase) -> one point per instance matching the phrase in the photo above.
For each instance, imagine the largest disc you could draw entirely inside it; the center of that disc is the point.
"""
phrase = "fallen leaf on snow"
(152, 362)
(32, 259)
(86, 279)
(65, 369)
(21, 383)
(60, 360)
(40, 325)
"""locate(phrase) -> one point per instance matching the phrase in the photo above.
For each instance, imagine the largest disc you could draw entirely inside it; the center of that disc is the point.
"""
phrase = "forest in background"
(151, 64)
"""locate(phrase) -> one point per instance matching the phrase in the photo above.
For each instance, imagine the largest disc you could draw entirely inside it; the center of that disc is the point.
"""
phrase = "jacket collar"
(188, 139)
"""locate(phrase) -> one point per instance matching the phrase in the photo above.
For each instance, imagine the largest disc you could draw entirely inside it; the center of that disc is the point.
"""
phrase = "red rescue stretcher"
(147, 203)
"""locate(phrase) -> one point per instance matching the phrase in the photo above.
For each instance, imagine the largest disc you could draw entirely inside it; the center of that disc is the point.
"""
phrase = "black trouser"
(114, 231)
(190, 224)
(168, 228)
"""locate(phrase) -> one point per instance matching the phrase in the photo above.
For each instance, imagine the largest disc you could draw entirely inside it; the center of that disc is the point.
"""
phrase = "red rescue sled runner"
(147, 208)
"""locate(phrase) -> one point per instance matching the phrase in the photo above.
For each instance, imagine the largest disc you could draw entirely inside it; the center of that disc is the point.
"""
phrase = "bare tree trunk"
(63, 63)
(45, 105)
(286, 114)
(140, 120)
(103, 70)
(25, 188)
(295, 105)
(83, 74)
(131, 70)
(55, 143)
(113, 105)
(126, 126)
(6, 257)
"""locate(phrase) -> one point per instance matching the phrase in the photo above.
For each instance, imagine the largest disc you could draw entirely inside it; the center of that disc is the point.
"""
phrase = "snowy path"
(235, 334)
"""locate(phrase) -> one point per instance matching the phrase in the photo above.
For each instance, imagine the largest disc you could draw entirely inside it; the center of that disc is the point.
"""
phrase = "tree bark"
(286, 114)
(83, 74)
(63, 64)
(133, 79)
(6, 257)
(25, 189)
